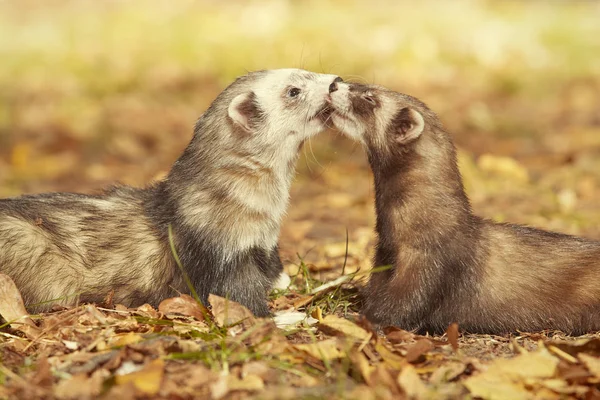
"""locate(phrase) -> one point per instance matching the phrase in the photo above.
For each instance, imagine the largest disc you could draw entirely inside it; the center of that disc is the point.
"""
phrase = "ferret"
(224, 199)
(447, 264)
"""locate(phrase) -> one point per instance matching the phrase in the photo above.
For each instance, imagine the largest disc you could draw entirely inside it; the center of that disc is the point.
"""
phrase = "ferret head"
(278, 108)
(386, 122)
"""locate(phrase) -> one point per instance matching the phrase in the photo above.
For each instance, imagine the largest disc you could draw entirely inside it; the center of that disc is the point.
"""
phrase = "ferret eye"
(293, 92)
(370, 99)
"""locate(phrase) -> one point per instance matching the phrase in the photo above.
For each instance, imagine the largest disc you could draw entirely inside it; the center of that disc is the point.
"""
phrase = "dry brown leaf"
(335, 325)
(13, 310)
(228, 312)
(302, 301)
(399, 336)
(415, 353)
(183, 305)
(323, 350)
(452, 334)
(81, 386)
(146, 310)
(43, 376)
(147, 380)
(382, 377)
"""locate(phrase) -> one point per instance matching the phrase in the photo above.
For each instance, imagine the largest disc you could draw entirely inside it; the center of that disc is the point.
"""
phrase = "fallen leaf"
(183, 305)
(43, 376)
(452, 334)
(125, 339)
(317, 313)
(146, 310)
(289, 319)
(399, 336)
(13, 310)
(411, 383)
(302, 301)
(229, 383)
(81, 386)
(147, 380)
(497, 389)
(447, 372)
(69, 344)
(361, 363)
(335, 325)
(416, 351)
(383, 378)
(247, 383)
(228, 312)
(389, 357)
(588, 346)
(506, 378)
(592, 363)
(323, 350)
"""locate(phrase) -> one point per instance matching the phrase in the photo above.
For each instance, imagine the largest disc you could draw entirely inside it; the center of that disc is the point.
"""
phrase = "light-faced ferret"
(448, 265)
(224, 199)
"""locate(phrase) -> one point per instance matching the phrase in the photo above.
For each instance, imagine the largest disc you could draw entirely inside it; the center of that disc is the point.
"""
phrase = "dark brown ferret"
(448, 265)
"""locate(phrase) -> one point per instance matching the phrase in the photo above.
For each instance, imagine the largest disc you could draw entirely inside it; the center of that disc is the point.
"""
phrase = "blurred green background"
(92, 92)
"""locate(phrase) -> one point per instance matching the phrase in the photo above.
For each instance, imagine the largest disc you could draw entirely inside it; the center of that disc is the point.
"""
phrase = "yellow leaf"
(591, 363)
(123, 340)
(337, 325)
(147, 380)
(361, 363)
(324, 350)
(389, 357)
(409, 381)
(496, 389)
(505, 379)
(317, 313)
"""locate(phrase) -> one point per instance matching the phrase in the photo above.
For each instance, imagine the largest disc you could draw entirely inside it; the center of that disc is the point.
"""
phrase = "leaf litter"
(184, 350)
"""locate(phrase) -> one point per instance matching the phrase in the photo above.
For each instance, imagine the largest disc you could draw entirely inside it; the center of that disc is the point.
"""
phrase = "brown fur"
(448, 265)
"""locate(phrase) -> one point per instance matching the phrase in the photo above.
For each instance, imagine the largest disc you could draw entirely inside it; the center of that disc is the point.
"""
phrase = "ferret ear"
(408, 125)
(243, 110)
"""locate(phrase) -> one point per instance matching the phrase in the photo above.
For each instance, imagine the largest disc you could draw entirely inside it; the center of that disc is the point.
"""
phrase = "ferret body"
(224, 199)
(447, 264)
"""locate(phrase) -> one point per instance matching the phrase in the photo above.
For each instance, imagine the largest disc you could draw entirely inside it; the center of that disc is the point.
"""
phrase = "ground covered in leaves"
(91, 93)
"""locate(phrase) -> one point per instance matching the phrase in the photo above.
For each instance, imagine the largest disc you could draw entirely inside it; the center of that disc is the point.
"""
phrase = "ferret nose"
(333, 87)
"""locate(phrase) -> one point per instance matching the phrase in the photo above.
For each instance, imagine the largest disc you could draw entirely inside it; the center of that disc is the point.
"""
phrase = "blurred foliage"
(93, 92)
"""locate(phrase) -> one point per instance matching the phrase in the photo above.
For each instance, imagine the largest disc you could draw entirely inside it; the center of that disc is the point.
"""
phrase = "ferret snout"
(333, 87)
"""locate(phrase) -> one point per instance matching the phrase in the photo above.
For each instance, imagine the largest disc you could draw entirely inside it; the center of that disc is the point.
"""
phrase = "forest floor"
(101, 93)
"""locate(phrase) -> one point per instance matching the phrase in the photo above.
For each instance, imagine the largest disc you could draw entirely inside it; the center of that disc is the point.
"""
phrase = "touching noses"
(333, 87)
